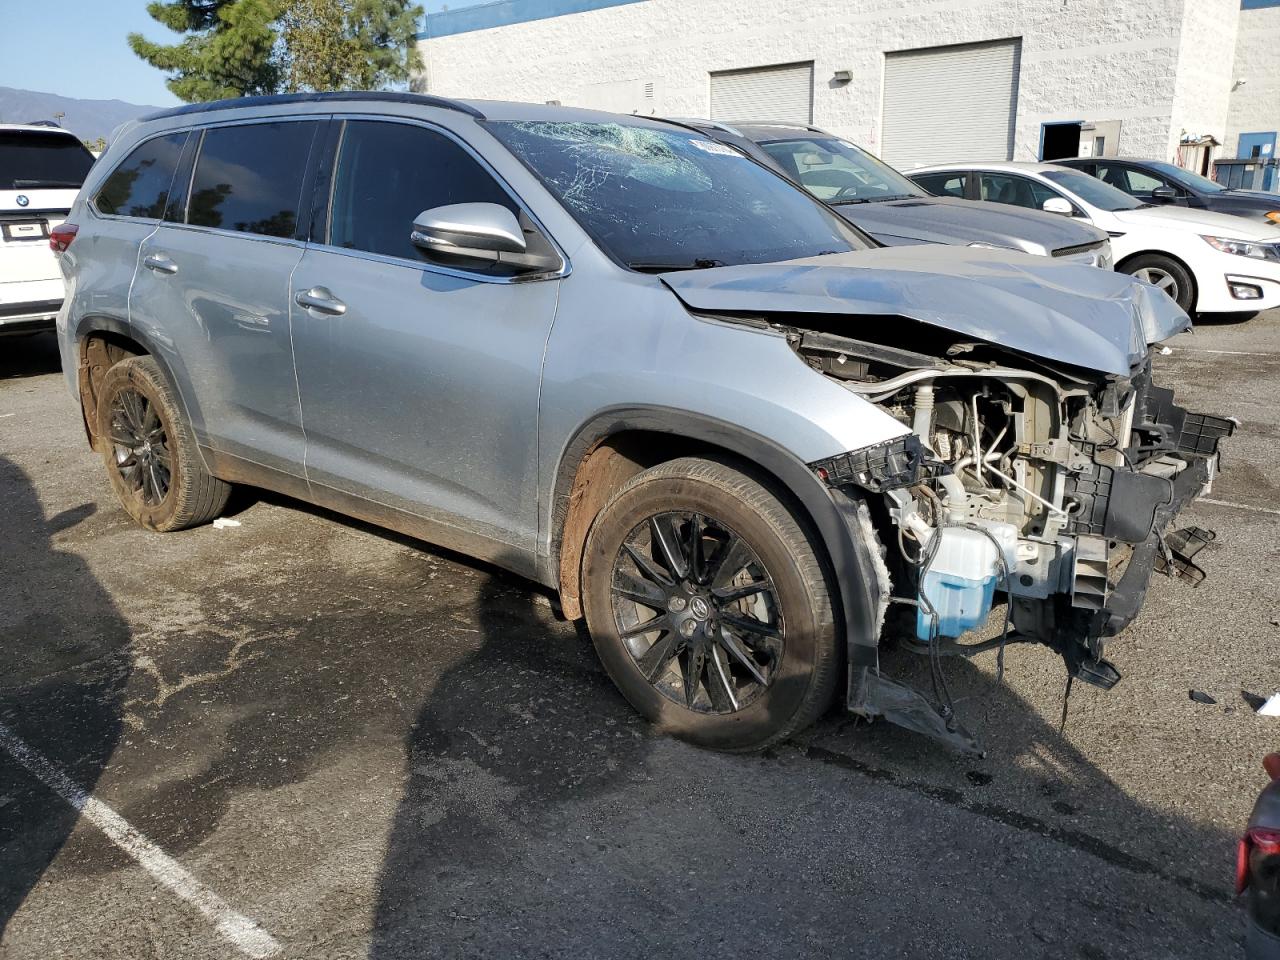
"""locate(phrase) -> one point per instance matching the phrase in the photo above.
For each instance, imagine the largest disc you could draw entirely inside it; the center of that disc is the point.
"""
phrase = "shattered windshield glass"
(658, 199)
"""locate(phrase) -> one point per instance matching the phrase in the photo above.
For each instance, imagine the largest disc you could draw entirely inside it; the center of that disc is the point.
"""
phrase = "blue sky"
(80, 50)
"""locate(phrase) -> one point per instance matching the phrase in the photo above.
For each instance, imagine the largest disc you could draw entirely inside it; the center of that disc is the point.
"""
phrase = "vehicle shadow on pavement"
(541, 817)
(67, 661)
(1034, 777)
(527, 724)
(28, 356)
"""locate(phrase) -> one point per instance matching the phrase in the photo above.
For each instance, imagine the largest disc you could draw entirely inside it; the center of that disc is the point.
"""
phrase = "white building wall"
(1081, 59)
(1205, 64)
(1255, 105)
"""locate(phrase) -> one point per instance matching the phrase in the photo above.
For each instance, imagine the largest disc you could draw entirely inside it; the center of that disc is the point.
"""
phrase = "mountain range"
(87, 119)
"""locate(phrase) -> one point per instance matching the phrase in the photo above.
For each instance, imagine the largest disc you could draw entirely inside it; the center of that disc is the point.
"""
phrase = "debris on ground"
(1199, 696)
(222, 523)
(1271, 708)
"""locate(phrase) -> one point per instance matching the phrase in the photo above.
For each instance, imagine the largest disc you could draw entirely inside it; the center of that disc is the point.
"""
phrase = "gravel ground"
(371, 748)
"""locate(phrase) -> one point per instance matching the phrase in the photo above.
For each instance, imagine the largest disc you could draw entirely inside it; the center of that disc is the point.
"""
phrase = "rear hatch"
(41, 171)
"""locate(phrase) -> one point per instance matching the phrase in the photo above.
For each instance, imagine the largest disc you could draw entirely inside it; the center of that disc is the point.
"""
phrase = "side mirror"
(476, 230)
(1058, 205)
(1165, 194)
(486, 232)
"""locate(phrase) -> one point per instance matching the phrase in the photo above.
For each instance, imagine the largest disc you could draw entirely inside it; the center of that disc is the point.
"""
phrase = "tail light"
(60, 237)
(1256, 845)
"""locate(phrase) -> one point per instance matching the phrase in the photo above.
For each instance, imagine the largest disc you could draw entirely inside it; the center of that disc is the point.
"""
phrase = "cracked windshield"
(662, 199)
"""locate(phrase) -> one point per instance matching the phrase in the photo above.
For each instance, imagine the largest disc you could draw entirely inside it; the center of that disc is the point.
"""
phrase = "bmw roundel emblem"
(22, 200)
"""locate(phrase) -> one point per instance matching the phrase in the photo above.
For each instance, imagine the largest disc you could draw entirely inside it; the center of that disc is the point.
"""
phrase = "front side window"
(139, 187)
(31, 159)
(249, 177)
(388, 173)
(838, 172)
(1185, 178)
(1017, 191)
(944, 184)
(655, 198)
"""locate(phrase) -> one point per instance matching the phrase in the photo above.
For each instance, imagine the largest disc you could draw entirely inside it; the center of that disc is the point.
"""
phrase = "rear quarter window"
(248, 177)
(139, 186)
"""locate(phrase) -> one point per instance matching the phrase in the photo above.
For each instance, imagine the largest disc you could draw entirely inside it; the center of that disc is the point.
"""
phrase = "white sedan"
(1207, 262)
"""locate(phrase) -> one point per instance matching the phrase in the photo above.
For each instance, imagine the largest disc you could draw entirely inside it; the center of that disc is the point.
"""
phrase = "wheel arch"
(618, 443)
(1195, 283)
(101, 342)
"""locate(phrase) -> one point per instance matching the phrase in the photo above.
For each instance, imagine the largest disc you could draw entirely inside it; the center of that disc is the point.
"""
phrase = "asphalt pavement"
(306, 737)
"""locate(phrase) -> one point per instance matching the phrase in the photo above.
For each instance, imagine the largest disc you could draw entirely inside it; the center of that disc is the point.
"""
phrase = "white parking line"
(1228, 353)
(249, 938)
(1239, 506)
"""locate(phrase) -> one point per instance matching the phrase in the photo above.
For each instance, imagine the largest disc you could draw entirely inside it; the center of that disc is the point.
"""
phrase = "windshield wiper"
(651, 266)
(28, 184)
(893, 196)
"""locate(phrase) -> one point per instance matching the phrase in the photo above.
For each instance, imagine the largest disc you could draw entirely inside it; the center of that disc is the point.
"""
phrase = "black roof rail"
(384, 96)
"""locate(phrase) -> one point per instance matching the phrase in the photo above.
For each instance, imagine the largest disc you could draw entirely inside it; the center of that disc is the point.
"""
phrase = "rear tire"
(744, 651)
(150, 453)
(1167, 274)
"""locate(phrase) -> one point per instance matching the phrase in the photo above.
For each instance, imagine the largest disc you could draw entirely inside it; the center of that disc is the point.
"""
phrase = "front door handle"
(321, 300)
(159, 263)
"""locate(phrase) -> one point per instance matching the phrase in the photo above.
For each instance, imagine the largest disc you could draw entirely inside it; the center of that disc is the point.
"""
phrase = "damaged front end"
(1053, 486)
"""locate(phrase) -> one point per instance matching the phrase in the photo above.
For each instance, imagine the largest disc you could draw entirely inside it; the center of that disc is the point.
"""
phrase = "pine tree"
(230, 52)
(245, 47)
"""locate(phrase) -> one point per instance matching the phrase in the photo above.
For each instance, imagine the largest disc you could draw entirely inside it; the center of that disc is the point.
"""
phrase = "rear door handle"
(159, 263)
(321, 300)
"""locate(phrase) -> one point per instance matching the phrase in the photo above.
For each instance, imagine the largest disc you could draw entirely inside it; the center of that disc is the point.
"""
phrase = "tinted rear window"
(30, 160)
(249, 177)
(139, 187)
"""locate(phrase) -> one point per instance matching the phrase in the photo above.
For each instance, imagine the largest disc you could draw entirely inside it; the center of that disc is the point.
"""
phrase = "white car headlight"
(1244, 248)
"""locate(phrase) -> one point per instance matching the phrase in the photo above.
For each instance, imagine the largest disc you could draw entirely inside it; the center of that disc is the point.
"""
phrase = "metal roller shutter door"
(783, 93)
(950, 103)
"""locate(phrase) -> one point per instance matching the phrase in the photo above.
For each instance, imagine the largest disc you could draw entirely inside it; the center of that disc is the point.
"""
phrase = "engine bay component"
(1050, 488)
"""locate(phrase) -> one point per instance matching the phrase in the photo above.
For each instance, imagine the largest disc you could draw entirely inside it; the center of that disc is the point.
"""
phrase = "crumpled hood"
(952, 220)
(1058, 311)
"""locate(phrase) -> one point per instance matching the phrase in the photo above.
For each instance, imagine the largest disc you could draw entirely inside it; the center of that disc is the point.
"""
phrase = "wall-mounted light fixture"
(842, 76)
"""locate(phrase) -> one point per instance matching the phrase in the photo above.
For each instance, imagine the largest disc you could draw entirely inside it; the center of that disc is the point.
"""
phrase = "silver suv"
(622, 359)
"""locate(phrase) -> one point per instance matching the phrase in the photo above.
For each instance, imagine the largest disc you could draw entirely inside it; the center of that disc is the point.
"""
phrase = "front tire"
(150, 453)
(709, 607)
(1167, 274)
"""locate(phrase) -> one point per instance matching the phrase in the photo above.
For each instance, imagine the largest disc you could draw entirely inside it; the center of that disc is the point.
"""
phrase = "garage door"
(764, 93)
(950, 103)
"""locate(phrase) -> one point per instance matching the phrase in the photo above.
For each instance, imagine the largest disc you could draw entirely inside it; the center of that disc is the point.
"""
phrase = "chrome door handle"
(321, 300)
(159, 263)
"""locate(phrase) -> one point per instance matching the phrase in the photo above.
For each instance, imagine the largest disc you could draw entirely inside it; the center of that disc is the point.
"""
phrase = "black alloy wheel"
(697, 611)
(140, 446)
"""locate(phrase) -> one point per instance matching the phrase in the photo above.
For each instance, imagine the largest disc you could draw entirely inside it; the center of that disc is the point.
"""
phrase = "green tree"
(230, 50)
(349, 44)
(237, 48)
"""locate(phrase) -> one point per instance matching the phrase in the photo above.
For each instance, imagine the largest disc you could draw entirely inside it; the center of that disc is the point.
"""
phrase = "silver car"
(617, 357)
(894, 210)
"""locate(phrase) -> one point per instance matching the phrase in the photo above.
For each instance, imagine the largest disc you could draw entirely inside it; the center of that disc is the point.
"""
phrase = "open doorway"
(1060, 140)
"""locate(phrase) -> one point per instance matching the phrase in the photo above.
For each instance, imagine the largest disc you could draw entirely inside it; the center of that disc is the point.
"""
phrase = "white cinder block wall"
(1255, 105)
(1206, 56)
(1158, 66)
